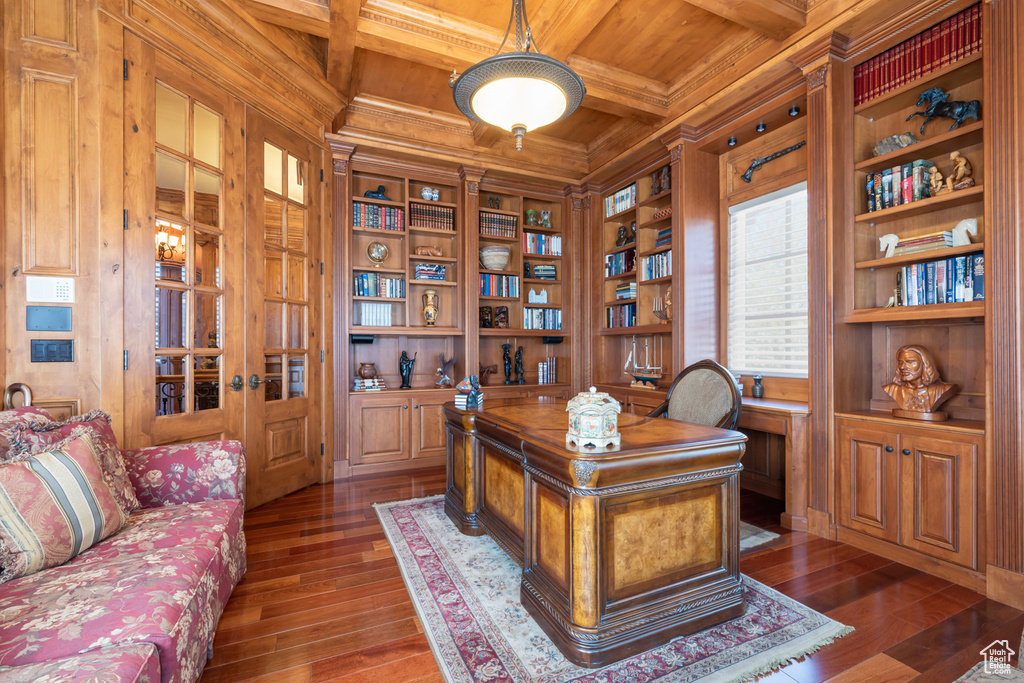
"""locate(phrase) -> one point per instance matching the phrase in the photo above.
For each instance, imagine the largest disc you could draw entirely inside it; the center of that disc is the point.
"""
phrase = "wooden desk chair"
(703, 393)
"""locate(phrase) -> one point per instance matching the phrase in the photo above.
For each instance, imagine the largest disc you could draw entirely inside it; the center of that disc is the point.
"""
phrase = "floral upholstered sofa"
(140, 604)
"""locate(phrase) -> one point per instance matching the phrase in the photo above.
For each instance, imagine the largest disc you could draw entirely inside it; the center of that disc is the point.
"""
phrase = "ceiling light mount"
(732, 141)
(761, 127)
(518, 91)
(794, 110)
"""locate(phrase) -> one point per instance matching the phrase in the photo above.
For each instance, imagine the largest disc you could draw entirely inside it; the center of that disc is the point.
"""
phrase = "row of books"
(375, 384)
(625, 290)
(499, 285)
(542, 319)
(946, 281)
(374, 315)
(664, 237)
(622, 315)
(544, 271)
(899, 185)
(429, 271)
(656, 265)
(432, 216)
(377, 217)
(376, 284)
(942, 44)
(622, 262)
(620, 201)
(498, 225)
(547, 371)
(548, 245)
(929, 242)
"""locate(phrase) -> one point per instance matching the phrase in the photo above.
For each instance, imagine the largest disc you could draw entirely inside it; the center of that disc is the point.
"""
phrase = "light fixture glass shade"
(519, 101)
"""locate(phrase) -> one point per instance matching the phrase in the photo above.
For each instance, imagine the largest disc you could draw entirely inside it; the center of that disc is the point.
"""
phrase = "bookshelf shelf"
(968, 309)
(621, 214)
(386, 299)
(655, 198)
(621, 301)
(657, 280)
(618, 250)
(646, 225)
(904, 259)
(968, 134)
(431, 231)
(498, 298)
(538, 281)
(433, 283)
(432, 203)
(946, 200)
(638, 329)
(542, 256)
(405, 330)
(380, 231)
(621, 276)
(379, 202)
(497, 238)
(519, 332)
(435, 259)
(371, 269)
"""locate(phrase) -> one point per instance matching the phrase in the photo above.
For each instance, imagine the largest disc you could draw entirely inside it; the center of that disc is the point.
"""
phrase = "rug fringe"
(780, 662)
(408, 500)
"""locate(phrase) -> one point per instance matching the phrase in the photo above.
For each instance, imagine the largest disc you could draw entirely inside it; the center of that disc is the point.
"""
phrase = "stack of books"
(460, 400)
(942, 44)
(620, 201)
(625, 290)
(898, 185)
(929, 242)
(547, 371)
(945, 281)
(376, 315)
(429, 271)
(375, 384)
(664, 237)
(544, 272)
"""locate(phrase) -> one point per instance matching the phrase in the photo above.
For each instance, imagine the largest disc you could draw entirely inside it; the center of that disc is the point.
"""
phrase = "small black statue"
(936, 103)
(520, 378)
(377, 194)
(526, 270)
(508, 362)
(473, 399)
(620, 241)
(405, 369)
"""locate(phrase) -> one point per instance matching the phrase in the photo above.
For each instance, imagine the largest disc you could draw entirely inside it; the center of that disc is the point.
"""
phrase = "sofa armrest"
(187, 473)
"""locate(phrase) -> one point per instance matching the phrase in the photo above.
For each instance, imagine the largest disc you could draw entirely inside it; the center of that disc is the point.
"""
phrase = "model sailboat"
(644, 375)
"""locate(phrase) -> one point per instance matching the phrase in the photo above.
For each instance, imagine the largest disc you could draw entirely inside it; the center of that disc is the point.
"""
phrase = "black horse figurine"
(936, 99)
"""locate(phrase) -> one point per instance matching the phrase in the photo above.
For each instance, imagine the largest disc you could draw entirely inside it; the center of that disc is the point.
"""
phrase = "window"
(768, 284)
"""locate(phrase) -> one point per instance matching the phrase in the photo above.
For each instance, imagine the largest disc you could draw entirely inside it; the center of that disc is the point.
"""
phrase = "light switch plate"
(49, 290)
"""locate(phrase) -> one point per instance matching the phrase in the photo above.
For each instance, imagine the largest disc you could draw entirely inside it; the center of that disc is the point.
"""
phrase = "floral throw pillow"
(34, 437)
(53, 506)
(9, 419)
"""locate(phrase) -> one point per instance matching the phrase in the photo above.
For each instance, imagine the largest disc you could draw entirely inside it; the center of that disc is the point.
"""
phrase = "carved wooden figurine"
(916, 386)
(960, 177)
(429, 250)
(506, 348)
(935, 184)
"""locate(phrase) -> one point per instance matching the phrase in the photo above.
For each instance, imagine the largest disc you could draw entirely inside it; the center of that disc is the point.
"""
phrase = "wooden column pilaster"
(828, 192)
(1003, 35)
(336, 460)
(577, 284)
(469, 204)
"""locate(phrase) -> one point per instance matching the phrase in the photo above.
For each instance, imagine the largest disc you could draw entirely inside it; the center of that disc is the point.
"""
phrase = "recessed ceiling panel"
(404, 81)
(582, 127)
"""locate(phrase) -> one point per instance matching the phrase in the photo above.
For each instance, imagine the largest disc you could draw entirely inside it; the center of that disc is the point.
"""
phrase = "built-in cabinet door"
(938, 504)
(643, 405)
(379, 429)
(184, 254)
(428, 427)
(867, 488)
(283, 293)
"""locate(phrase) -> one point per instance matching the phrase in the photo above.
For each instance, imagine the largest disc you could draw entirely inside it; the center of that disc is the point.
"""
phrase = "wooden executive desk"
(622, 548)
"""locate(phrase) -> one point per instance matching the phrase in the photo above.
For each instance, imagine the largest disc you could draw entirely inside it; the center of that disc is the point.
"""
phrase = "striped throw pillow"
(53, 506)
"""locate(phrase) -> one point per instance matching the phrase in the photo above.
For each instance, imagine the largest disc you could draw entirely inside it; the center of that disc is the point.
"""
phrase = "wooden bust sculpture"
(917, 387)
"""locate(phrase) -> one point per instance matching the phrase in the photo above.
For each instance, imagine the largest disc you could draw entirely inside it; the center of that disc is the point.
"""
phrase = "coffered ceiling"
(651, 68)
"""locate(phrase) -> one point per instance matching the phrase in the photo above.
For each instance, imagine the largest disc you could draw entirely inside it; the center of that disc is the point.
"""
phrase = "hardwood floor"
(323, 599)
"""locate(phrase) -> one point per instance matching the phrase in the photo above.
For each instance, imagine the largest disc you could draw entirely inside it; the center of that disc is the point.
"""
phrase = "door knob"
(255, 381)
(906, 451)
(237, 383)
(888, 449)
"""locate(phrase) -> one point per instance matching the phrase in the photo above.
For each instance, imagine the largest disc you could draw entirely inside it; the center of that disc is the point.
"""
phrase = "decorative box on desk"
(593, 420)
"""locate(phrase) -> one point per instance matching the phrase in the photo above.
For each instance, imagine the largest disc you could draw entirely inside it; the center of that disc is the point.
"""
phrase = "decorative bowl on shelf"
(494, 257)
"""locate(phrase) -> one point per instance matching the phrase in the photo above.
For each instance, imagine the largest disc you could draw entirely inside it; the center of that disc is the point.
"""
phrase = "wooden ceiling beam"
(307, 16)
(341, 48)
(620, 92)
(778, 19)
(561, 25)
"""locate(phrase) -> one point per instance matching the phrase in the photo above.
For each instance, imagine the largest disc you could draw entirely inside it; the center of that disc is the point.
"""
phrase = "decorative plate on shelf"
(377, 252)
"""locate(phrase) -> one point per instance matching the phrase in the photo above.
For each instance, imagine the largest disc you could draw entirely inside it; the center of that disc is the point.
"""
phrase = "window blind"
(767, 329)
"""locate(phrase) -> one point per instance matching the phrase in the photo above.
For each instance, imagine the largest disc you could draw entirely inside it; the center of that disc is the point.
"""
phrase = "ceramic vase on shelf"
(494, 257)
(427, 193)
(430, 306)
(367, 370)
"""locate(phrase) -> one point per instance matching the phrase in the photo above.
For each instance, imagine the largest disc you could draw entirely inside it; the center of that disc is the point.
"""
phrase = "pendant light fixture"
(521, 90)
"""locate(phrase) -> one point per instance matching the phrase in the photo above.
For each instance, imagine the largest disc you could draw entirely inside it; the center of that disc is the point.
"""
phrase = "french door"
(222, 312)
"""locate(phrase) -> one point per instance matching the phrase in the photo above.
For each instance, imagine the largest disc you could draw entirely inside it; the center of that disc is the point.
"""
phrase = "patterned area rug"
(753, 537)
(466, 592)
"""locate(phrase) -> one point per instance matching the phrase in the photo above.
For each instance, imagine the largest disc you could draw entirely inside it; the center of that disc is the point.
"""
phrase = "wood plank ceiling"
(649, 68)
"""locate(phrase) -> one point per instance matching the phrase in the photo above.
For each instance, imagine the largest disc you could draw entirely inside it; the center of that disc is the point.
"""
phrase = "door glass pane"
(273, 168)
(296, 327)
(170, 185)
(170, 318)
(207, 383)
(206, 135)
(206, 198)
(273, 322)
(170, 385)
(296, 376)
(207, 263)
(170, 118)
(207, 321)
(272, 217)
(273, 389)
(296, 180)
(273, 274)
(296, 278)
(296, 227)
(170, 250)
